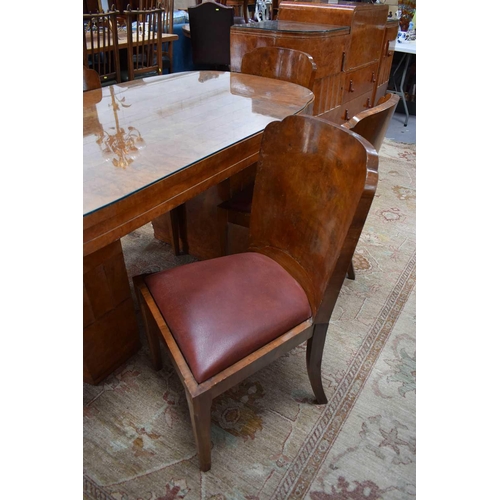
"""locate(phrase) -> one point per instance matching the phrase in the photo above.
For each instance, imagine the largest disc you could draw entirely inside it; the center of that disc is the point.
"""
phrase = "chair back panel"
(210, 25)
(144, 51)
(372, 124)
(100, 44)
(280, 63)
(91, 80)
(310, 178)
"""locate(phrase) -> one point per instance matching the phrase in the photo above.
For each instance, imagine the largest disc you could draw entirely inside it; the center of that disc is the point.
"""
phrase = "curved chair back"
(91, 80)
(210, 25)
(303, 159)
(372, 124)
(280, 63)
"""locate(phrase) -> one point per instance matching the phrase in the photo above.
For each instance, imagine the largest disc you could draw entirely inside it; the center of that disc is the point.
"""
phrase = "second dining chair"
(279, 63)
(144, 45)
(210, 24)
(224, 319)
(372, 124)
(100, 45)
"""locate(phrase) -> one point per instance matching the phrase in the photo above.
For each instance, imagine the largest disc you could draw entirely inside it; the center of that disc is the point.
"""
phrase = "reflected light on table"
(119, 146)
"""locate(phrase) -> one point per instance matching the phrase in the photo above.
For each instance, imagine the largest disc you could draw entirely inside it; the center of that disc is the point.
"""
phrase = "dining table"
(137, 39)
(150, 145)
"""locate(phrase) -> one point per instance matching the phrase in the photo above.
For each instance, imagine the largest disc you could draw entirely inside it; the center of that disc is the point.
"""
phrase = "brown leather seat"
(214, 329)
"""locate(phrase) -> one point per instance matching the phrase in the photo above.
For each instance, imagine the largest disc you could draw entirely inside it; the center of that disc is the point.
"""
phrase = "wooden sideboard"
(351, 43)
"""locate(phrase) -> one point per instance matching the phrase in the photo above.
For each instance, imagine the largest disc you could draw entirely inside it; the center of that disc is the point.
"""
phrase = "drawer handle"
(373, 76)
(368, 105)
(351, 88)
(346, 116)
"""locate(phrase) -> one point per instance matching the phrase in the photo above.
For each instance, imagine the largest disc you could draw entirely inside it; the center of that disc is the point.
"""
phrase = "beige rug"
(269, 440)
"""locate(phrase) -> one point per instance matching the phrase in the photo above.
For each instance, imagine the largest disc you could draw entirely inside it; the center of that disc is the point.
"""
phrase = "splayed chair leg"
(199, 410)
(314, 356)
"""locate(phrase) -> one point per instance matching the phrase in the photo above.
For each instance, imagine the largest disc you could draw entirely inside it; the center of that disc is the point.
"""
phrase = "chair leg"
(350, 272)
(179, 230)
(199, 410)
(151, 328)
(222, 229)
(314, 355)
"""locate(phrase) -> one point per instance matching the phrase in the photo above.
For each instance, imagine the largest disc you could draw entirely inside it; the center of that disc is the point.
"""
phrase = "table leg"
(405, 60)
(110, 329)
(401, 88)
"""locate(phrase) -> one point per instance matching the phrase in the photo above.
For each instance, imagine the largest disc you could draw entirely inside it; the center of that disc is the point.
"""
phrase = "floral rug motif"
(269, 440)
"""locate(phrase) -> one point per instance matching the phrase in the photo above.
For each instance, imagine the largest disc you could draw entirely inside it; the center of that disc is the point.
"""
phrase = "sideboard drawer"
(360, 81)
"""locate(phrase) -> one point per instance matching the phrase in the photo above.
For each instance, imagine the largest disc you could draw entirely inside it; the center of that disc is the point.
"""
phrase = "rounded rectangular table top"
(138, 133)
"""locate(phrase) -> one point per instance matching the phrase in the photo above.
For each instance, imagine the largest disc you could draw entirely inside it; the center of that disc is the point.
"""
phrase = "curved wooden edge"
(345, 258)
(386, 102)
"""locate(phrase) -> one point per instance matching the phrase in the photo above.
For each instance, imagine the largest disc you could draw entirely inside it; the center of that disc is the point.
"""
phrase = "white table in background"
(408, 49)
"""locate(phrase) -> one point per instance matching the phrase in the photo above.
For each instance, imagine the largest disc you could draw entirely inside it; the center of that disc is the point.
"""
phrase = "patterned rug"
(269, 440)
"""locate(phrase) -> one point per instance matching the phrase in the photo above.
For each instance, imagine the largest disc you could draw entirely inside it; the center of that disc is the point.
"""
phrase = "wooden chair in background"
(372, 124)
(91, 80)
(224, 319)
(168, 27)
(210, 24)
(144, 46)
(100, 45)
(271, 62)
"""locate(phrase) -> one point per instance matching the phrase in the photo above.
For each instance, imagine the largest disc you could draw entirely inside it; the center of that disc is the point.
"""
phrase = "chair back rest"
(91, 80)
(210, 24)
(310, 178)
(372, 123)
(100, 44)
(144, 32)
(280, 63)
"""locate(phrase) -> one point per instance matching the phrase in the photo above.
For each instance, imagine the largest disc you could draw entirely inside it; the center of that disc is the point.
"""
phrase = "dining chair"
(91, 80)
(279, 63)
(100, 45)
(372, 124)
(144, 46)
(240, 6)
(210, 24)
(168, 27)
(224, 319)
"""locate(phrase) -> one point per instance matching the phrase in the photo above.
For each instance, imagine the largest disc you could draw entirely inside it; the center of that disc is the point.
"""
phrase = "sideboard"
(352, 44)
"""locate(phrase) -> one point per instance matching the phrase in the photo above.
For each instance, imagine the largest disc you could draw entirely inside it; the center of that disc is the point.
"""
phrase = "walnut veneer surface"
(179, 121)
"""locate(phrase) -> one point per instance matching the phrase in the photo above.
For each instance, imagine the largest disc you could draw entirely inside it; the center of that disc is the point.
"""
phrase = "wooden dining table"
(148, 146)
(136, 38)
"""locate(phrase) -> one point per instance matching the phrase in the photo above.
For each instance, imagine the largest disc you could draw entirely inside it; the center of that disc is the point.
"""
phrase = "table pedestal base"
(110, 329)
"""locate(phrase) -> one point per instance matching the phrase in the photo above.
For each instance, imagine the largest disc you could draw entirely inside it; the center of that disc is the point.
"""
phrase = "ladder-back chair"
(100, 45)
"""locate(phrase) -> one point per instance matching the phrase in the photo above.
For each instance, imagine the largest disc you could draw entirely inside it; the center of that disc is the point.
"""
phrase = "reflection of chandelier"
(120, 145)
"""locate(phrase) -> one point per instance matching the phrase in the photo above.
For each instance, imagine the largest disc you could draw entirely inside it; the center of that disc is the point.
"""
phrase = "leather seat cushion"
(221, 310)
